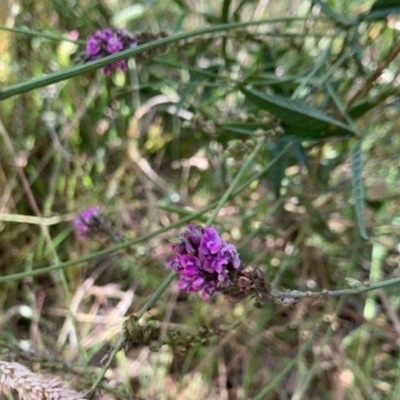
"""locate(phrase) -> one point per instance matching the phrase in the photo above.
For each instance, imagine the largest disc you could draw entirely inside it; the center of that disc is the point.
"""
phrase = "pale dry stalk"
(16, 377)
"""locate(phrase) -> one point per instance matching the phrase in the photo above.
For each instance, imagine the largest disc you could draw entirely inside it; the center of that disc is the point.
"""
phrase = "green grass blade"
(69, 73)
(382, 8)
(357, 187)
(298, 116)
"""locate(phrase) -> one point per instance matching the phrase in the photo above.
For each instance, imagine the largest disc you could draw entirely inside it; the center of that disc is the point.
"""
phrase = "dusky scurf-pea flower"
(204, 261)
(109, 41)
(86, 220)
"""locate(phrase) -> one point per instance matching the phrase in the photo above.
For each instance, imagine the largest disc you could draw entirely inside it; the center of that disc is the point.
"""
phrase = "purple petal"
(104, 34)
(88, 215)
(188, 261)
(190, 270)
(175, 264)
(107, 70)
(211, 242)
(93, 47)
(114, 45)
(207, 292)
(197, 283)
(208, 265)
(183, 284)
(229, 253)
(203, 260)
(83, 221)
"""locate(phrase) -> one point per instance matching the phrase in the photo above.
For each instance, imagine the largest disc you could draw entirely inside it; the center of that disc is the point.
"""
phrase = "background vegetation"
(307, 100)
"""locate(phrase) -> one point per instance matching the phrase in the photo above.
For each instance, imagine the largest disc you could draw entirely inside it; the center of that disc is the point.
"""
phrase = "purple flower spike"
(106, 42)
(85, 220)
(204, 261)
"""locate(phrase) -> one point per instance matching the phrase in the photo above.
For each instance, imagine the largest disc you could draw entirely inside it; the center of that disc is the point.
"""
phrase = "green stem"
(154, 297)
(101, 253)
(295, 294)
(289, 366)
(235, 182)
(40, 34)
(129, 243)
(121, 338)
(49, 79)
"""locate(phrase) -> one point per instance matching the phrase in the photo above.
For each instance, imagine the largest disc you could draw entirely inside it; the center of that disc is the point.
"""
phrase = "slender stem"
(121, 337)
(154, 297)
(367, 85)
(235, 182)
(295, 294)
(117, 346)
(129, 243)
(101, 253)
(289, 366)
(41, 34)
(76, 70)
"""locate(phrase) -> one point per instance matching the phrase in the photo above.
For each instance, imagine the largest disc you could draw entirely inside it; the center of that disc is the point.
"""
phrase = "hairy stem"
(296, 294)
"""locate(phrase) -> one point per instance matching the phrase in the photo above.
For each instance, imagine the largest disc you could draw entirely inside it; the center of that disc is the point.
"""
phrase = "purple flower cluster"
(204, 261)
(85, 220)
(106, 42)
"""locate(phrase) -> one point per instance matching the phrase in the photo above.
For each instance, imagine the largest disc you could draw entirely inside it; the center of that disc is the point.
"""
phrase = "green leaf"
(297, 118)
(357, 187)
(339, 19)
(246, 128)
(301, 155)
(182, 4)
(382, 8)
(225, 11)
(276, 174)
(361, 108)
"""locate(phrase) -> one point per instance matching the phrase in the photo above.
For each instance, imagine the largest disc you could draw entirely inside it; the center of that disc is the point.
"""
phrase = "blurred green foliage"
(316, 82)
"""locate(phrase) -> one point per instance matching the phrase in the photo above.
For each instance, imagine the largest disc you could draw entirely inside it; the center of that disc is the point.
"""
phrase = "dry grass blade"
(16, 377)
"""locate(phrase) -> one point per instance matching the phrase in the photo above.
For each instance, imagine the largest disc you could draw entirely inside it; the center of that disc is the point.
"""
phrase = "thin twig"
(366, 86)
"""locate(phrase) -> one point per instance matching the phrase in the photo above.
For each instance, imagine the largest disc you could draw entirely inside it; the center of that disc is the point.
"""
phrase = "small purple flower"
(204, 261)
(93, 47)
(121, 64)
(106, 42)
(114, 45)
(85, 220)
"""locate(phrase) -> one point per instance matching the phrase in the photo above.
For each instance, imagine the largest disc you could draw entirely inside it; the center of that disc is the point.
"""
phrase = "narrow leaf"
(339, 19)
(128, 14)
(358, 188)
(276, 174)
(246, 128)
(41, 81)
(382, 8)
(297, 116)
